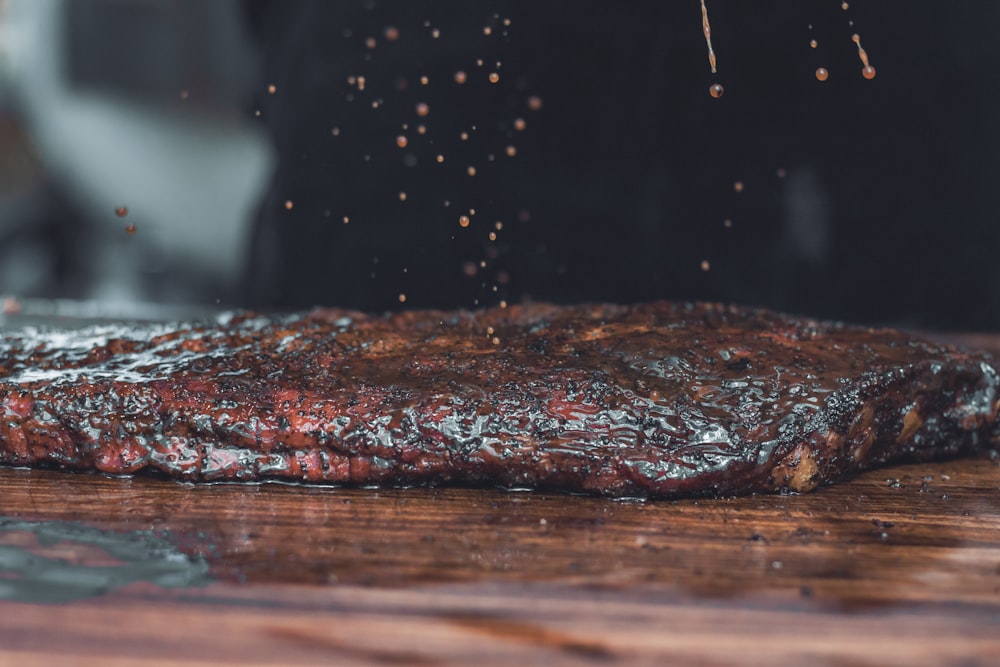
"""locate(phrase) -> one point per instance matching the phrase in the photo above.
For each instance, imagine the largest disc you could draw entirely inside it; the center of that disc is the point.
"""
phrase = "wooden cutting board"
(899, 566)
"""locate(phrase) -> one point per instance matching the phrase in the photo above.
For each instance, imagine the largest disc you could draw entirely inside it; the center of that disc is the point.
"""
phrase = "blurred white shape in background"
(142, 104)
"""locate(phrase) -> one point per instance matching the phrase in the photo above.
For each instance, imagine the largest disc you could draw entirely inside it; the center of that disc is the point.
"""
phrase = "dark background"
(887, 212)
(621, 181)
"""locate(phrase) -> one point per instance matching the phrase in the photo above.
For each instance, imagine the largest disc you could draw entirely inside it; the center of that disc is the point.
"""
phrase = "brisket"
(651, 400)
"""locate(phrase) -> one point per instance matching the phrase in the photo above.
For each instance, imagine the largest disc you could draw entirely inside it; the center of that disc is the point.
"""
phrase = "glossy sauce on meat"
(649, 400)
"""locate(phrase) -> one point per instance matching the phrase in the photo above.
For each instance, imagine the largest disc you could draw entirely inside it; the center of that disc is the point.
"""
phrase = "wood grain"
(899, 566)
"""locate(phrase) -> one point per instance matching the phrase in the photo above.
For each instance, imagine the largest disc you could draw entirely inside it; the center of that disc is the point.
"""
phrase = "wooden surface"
(900, 566)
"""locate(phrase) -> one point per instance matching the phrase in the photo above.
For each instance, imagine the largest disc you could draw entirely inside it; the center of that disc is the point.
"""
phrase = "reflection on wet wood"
(442, 576)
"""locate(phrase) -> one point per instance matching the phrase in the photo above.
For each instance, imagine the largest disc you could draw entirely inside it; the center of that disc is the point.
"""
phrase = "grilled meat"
(651, 400)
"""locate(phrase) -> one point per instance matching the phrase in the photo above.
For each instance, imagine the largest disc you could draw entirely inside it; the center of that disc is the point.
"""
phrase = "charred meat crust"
(652, 400)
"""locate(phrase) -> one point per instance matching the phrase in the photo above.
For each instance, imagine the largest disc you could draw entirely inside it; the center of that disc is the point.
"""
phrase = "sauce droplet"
(519, 124)
(402, 141)
(716, 90)
(813, 43)
(402, 298)
(121, 211)
(422, 109)
(463, 221)
(867, 70)
(460, 77)
(494, 77)
(707, 29)
(534, 102)
(738, 186)
(705, 266)
(130, 229)
(391, 33)
(822, 74)
(289, 204)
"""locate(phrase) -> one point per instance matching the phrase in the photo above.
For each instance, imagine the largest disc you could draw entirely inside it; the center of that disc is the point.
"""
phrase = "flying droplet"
(464, 221)
(460, 77)
(272, 89)
(402, 141)
(716, 90)
(402, 196)
(519, 124)
(121, 211)
(738, 186)
(705, 266)
(370, 42)
(289, 204)
(844, 6)
(391, 33)
(130, 229)
(487, 30)
(494, 77)
(511, 151)
(402, 298)
(471, 171)
(867, 70)
(813, 43)
(707, 29)
(422, 109)
(822, 74)
(534, 102)
(424, 80)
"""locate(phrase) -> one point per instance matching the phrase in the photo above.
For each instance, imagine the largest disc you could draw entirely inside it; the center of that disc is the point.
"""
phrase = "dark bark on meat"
(651, 400)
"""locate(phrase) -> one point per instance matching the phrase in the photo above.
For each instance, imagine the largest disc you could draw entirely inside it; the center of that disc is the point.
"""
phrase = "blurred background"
(385, 154)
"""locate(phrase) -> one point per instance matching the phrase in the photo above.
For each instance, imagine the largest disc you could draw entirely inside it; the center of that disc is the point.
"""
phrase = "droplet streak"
(707, 29)
(867, 70)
